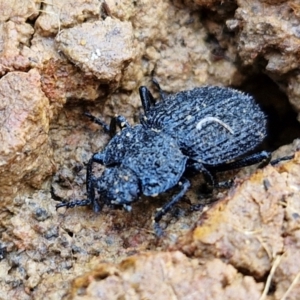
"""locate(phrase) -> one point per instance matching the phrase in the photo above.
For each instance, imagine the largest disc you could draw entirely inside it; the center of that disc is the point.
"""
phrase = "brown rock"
(164, 276)
(18, 11)
(102, 48)
(245, 229)
(269, 31)
(182, 48)
(24, 149)
(14, 40)
(57, 14)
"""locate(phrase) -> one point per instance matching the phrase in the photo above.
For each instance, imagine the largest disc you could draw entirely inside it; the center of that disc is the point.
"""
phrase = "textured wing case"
(211, 124)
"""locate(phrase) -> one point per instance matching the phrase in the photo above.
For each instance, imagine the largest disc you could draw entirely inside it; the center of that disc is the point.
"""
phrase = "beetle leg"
(146, 99)
(161, 92)
(225, 184)
(263, 157)
(209, 177)
(98, 121)
(84, 202)
(280, 159)
(184, 185)
(73, 203)
(90, 187)
(111, 129)
(117, 121)
(90, 180)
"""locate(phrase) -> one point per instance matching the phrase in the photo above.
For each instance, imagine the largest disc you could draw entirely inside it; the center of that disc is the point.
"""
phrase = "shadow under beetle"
(208, 129)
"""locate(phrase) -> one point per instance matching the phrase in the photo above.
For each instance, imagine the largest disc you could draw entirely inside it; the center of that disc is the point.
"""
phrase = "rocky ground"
(59, 59)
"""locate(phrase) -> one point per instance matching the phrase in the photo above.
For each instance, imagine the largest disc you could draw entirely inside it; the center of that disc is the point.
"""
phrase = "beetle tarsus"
(73, 203)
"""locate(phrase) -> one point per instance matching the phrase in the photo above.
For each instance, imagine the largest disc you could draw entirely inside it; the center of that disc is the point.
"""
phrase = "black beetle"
(207, 129)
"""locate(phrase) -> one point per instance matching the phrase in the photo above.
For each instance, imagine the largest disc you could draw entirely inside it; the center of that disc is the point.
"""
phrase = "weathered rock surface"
(59, 59)
(169, 275)
(102, 48)
(24, 143)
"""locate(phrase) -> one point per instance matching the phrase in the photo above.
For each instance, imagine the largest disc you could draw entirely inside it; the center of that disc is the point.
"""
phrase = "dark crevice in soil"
(283, 126)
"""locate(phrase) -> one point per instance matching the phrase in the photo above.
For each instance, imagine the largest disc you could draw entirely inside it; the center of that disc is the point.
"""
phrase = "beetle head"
(119, 186)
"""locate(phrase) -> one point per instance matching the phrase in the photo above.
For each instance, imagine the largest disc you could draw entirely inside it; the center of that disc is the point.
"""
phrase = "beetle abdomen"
(212, 124)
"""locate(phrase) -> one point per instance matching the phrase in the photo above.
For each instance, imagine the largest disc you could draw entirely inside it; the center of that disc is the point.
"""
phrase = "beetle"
(207, 129)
